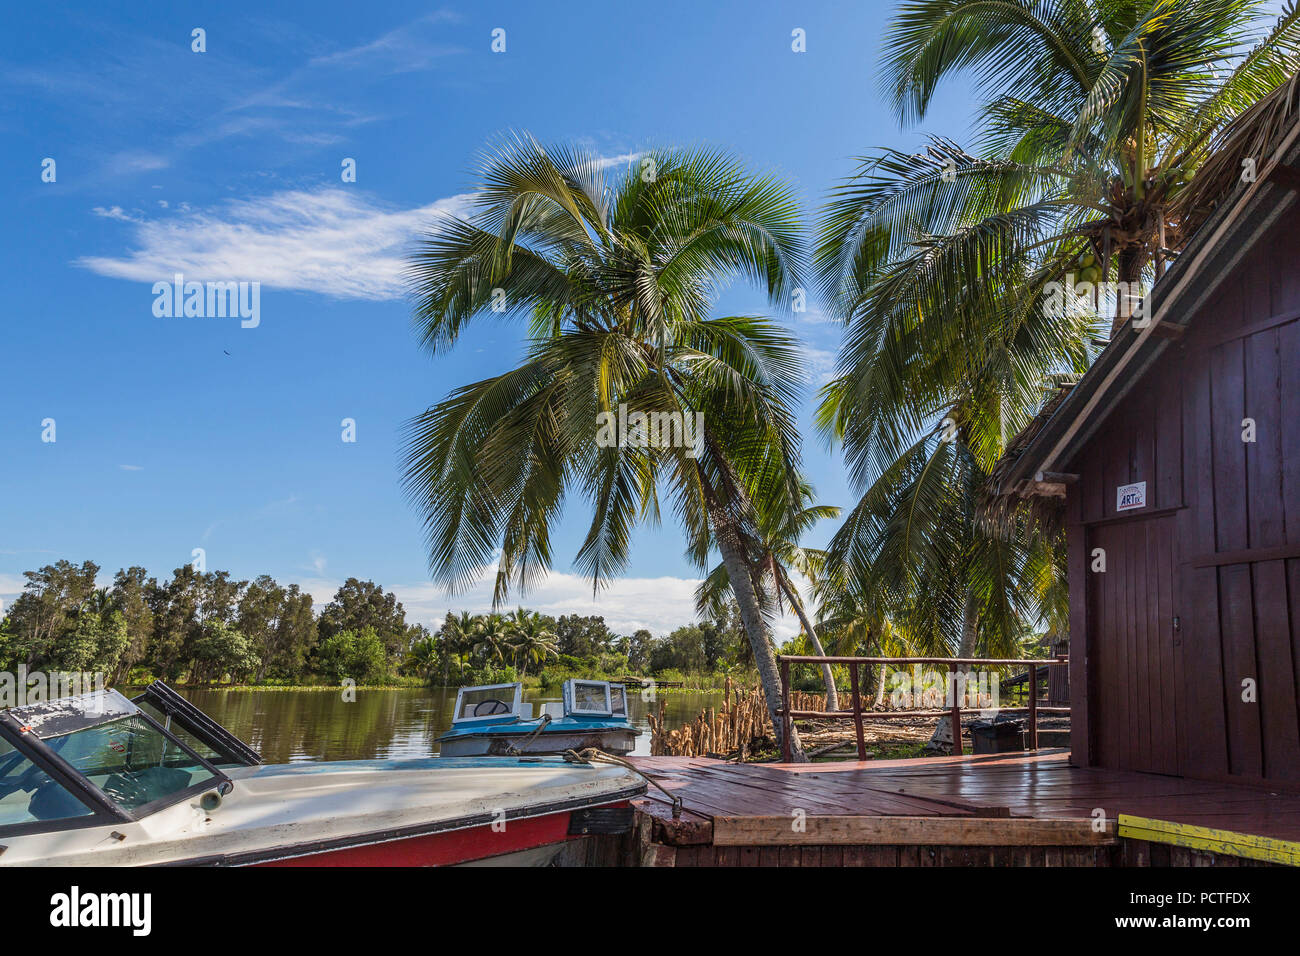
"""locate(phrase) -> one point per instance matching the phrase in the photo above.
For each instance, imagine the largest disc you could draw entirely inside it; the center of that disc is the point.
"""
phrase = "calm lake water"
(293, 725)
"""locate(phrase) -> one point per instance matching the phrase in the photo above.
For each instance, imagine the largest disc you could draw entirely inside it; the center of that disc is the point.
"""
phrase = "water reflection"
(293, 725)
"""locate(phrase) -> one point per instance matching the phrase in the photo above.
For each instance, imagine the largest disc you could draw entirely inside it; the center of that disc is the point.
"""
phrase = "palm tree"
(531, 638)
(490, 638)
(99, 601)
(1095, 116)
(615, 274)
(422, 657)
(454, 637)
(773, 557)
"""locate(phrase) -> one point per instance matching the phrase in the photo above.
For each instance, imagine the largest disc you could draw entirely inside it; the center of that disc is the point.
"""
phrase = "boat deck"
(1005, 800)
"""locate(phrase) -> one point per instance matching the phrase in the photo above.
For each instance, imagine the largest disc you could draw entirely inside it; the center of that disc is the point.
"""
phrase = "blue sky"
(181, 433)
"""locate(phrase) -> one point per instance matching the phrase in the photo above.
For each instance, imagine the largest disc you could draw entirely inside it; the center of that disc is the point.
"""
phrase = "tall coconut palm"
(422, 657)
(1095, 115)
(531, 638)
(490, 638)
(615, 274)
(454, 637)
(774, 556)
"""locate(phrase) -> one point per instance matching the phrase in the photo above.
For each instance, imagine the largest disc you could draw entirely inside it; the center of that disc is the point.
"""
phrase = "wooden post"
(1033, 706)
(956, 712)
(857, 711)
(786, 753)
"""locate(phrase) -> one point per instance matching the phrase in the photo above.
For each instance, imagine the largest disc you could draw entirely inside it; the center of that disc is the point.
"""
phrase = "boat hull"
(617, 741)
(431, 811)
(535, 841)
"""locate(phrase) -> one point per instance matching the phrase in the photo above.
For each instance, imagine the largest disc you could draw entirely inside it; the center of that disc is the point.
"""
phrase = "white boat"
(101, 780)
(494, 719)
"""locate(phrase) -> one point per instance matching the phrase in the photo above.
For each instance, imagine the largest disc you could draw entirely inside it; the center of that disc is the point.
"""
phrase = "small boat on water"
(100, 780)
(494, 720)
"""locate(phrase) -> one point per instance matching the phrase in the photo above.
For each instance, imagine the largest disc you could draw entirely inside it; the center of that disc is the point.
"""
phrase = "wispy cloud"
(11, 585)
(658, 604)
(131, 467)
(115, 212)
(334, 241)
(405, 49)
(316, 92)
(819, 364)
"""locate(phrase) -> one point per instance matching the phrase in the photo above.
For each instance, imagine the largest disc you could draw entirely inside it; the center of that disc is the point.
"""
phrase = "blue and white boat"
(494, 720)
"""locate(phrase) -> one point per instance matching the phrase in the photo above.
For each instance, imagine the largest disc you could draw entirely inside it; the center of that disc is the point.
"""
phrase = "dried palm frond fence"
(737, 727)
(792, 709)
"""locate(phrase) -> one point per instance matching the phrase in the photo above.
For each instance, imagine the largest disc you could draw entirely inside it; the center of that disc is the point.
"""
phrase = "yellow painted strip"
(1209, 840)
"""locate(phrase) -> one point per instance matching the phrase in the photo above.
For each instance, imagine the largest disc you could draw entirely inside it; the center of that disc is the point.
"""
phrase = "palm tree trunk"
(742, 588)
(828, 678)
(1129, 274)
(969, 628)
(969, 631)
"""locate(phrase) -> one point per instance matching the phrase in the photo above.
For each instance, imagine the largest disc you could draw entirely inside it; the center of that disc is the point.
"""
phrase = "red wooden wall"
(1202, 586)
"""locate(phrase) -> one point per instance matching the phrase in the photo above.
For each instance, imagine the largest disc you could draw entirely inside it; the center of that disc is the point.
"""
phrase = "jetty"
(1031, 809)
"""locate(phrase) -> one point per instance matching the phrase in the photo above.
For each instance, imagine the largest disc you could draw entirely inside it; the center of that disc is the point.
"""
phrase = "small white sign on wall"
(1128, 497)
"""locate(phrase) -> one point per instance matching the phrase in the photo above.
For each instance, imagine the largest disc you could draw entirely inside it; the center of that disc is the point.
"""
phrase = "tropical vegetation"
(613, 275)
(206, 628)
(948, 267)
(970, 281)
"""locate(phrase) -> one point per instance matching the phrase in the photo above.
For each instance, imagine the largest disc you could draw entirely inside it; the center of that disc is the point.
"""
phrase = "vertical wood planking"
(1206, 750)
(1230, 504)
(1139, 674)
(1238, 628)
(1082, 646)
(1168, 490)
(1288, 338)
(1264, 456)
(1277, 691)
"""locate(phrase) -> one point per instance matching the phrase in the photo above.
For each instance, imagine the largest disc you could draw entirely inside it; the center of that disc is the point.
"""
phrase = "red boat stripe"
(448, 847)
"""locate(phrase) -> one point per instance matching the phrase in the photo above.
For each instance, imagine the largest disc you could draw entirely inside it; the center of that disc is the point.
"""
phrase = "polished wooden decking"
(1020, 799)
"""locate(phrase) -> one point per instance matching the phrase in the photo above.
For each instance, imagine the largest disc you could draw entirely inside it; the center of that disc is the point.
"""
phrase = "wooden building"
(1178, 459)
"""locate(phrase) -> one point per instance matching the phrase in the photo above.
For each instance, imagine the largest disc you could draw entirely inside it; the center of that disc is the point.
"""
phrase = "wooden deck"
(951, 806)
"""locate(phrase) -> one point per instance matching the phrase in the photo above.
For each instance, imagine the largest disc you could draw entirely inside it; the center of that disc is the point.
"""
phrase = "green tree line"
(203, 627)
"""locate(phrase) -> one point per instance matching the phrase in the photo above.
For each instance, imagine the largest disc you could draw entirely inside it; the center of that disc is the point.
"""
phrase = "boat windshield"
(618, 699)
(29, 795)
(491, 701)
(589, 697)
(108, 740)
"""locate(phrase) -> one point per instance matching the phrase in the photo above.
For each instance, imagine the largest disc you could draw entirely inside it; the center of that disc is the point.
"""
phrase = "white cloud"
(402, 50)
(136, 162)
(658, 604)
(11, 585)
(334, 241)
(131, 467)
(819, 363)
(115, 212)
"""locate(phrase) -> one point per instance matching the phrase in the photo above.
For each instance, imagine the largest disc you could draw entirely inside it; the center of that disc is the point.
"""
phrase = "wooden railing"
(955, 665)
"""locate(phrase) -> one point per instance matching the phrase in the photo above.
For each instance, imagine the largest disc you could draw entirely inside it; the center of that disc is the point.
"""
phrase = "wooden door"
(1134, 656)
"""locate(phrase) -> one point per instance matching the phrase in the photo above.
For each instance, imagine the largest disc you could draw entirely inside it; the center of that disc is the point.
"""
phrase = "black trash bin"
(997, 736)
